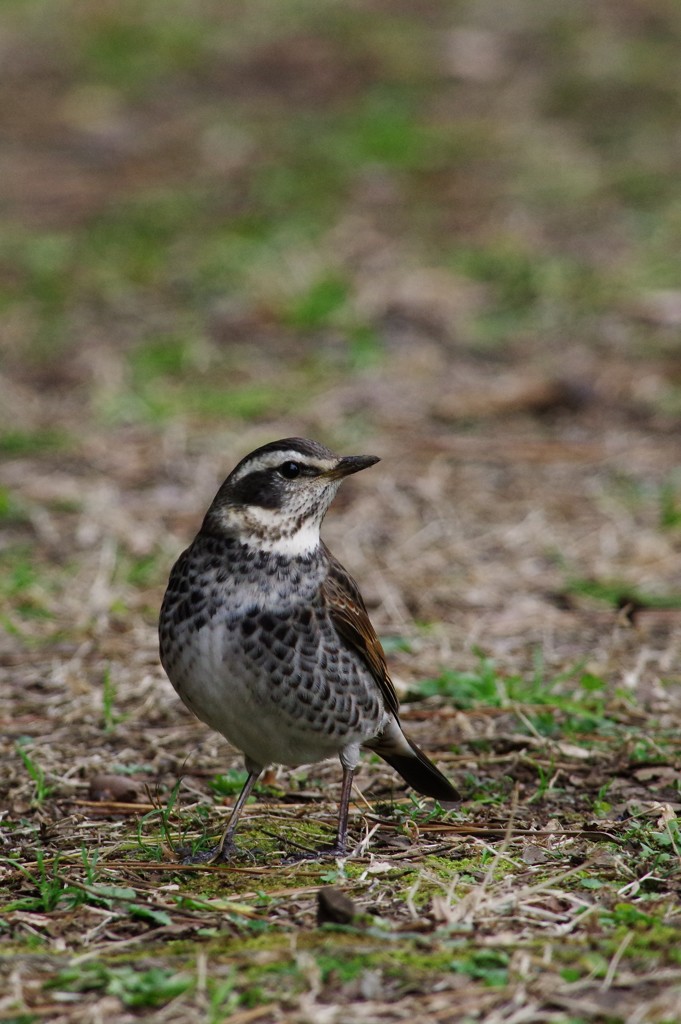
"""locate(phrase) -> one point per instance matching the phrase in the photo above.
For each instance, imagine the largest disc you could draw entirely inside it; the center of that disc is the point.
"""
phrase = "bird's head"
(275, 499)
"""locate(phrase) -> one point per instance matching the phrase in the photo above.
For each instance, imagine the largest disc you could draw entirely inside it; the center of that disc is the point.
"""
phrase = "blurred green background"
(218, 212)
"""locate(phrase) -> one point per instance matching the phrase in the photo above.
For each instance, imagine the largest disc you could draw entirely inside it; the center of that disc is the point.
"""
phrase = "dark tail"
(420, 773)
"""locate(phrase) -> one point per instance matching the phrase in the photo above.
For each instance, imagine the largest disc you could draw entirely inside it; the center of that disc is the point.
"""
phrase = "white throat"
(303, 542)
(262, 529)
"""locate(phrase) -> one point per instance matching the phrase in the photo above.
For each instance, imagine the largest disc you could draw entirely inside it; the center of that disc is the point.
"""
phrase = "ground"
(445, 234)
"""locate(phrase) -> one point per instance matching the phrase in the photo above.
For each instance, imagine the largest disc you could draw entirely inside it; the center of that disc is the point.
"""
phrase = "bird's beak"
(351, 464)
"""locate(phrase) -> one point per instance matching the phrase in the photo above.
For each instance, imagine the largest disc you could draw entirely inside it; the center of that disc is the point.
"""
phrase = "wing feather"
(351, 619)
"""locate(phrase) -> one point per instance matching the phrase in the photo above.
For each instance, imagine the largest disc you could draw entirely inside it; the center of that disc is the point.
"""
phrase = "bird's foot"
(326, 853)
(215, 855)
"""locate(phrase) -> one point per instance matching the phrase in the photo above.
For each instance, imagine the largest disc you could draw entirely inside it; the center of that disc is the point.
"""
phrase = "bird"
(266, 638)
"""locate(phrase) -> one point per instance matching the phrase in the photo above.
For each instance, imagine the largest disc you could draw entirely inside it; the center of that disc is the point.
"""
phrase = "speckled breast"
(249, 645)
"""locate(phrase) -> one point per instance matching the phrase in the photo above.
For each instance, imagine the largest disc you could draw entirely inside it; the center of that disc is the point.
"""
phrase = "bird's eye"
(290, 470)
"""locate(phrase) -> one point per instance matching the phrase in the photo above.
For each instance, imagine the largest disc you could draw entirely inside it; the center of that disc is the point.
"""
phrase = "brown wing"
(351, 619)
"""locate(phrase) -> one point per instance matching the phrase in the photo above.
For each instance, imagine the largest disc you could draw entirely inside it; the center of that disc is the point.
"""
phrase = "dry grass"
(518, 546)
(497, 891)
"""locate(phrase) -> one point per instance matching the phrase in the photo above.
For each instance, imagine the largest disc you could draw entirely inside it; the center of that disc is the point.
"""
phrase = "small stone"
(533, 854)
(333, 906)
(112, 789)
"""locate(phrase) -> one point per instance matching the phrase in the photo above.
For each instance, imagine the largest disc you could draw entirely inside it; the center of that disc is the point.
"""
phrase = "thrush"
(266, 638)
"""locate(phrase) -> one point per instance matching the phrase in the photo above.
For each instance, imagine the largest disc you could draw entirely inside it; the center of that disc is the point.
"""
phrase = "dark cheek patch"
(262, 488)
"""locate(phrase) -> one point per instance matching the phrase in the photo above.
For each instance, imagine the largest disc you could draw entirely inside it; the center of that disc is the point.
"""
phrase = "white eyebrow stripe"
(270, 460)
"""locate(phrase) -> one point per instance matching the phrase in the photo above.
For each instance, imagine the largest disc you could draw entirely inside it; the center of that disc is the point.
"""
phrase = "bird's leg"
(226, 840)
(343, 808)
(338, 848)
(223, 848)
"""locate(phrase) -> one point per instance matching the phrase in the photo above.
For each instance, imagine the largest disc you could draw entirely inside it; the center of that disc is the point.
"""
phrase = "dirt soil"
(447, 237)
